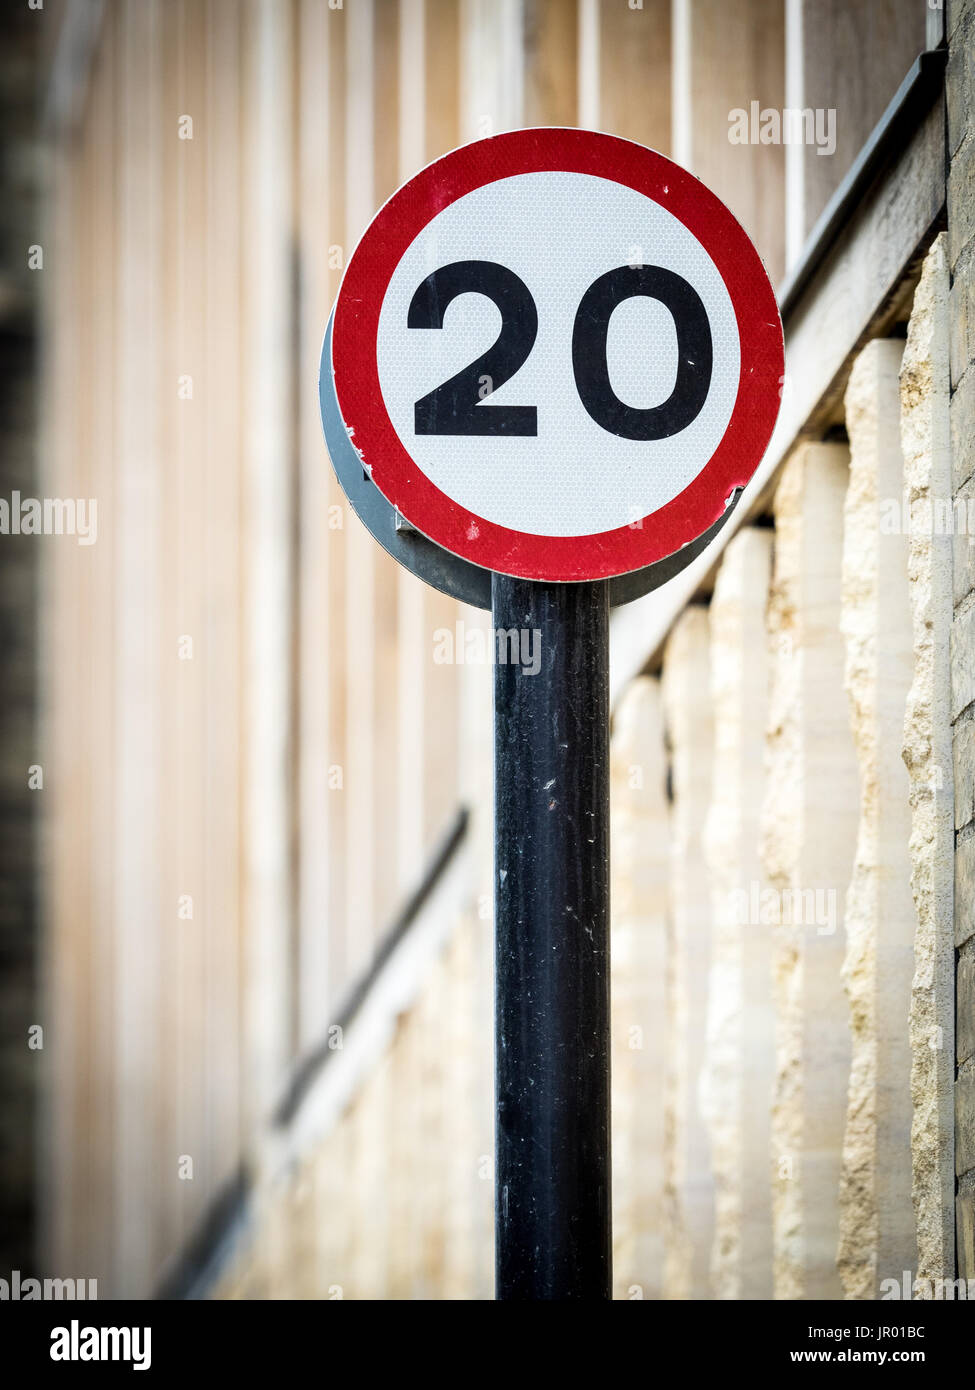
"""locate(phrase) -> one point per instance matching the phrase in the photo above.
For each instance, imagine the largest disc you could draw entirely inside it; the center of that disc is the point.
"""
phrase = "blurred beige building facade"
(266, 869)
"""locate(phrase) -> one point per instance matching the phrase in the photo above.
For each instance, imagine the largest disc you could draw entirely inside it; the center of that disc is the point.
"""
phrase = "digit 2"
(455, 407)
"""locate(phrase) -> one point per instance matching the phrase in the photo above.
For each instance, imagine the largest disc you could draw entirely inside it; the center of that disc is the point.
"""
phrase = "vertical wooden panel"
(383, 620)
(361, 563)
(82, 1044)
(340, 524)
(492, 67)
(221, 635)
(183, 418)
(440, 685)
(551, 70)
(853, 56)
(624, 70)
(86, 1046)
(317, 537)
(796, 217)
(429, 59)
(100, 250)
(167, 173)
(730, 57)
(491, 94)
(386, 102)
(267, 532)
(412, 753)
(139, 908)
(441, 47)
(59, 894)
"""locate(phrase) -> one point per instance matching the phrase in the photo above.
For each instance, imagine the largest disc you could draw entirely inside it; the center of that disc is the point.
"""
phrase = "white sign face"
(543, 483)
(557, 354)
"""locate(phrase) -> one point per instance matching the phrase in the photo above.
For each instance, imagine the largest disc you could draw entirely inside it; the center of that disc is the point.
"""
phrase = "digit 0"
(694, 352)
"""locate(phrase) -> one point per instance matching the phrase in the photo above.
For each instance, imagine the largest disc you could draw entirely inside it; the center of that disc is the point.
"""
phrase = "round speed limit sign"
(557, 355)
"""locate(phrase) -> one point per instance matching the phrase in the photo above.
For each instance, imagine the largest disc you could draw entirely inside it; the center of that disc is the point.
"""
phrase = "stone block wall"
(960, 248)
(788, 897)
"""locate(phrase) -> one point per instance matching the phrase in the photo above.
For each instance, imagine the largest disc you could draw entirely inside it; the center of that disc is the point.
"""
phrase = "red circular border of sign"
(397, 475)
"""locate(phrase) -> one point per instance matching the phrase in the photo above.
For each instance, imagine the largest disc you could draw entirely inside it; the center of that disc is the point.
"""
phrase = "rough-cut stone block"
(640, 902)
(689, 1220)
(964, 888)
(960, 81)
(956, 12)
(740, 1067)
(965, 1119)
(965, 1004)
(962, 662)
(962, 416)
(809, 831)
(962, 315)
(961, 199)
(963, 759)
(965, 1227)
(927, 756)
(876, 1218)
(960, 520)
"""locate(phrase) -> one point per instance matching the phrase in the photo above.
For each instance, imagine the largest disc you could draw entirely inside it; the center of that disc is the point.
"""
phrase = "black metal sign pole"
(552, 1182)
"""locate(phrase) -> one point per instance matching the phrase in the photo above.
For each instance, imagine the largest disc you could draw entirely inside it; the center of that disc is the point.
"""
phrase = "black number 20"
(456, 406)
